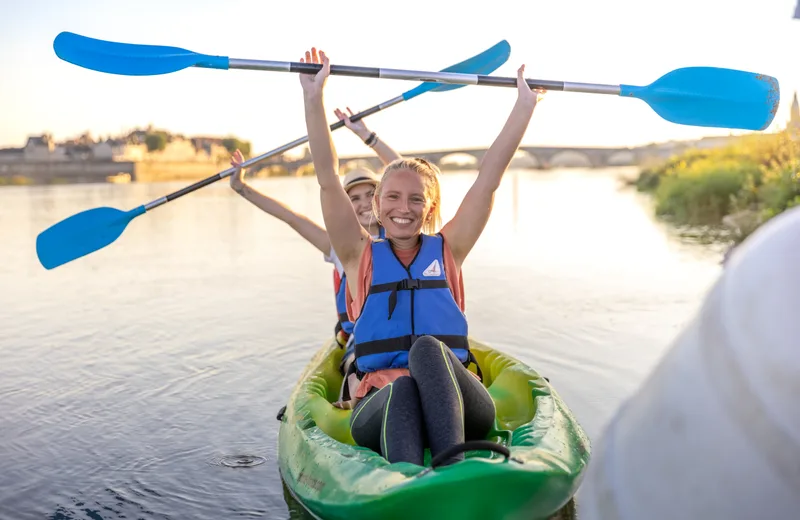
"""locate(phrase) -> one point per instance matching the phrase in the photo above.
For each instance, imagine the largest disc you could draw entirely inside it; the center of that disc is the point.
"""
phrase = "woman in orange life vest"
(359, 184)
(405, 293)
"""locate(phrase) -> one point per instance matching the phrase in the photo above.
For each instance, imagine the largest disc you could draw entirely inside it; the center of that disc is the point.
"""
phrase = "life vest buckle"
(409, 283)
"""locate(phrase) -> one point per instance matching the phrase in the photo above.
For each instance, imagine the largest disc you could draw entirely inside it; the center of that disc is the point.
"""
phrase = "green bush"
(232, 144)
(156, 142)
(703, 192)
(758, 173)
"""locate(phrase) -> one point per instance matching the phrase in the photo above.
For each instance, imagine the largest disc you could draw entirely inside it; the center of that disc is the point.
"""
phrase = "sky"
(592, 41)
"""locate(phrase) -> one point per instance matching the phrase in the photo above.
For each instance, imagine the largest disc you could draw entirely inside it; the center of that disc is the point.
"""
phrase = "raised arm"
(385, 152)
(308, 229)
(347, 236)
(469, 221)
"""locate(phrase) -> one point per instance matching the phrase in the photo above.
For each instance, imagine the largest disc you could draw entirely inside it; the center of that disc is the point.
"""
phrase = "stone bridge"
(541, 157)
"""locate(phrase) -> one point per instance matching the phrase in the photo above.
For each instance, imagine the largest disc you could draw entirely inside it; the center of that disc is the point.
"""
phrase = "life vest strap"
(406, 284)
(472, 359)
(382, 346)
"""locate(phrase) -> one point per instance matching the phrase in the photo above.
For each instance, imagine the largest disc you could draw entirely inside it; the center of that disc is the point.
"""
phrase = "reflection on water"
(130, 374)
(296, 510)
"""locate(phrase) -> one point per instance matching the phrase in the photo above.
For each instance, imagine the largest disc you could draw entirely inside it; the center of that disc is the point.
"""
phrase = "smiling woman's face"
(402, 205)
(361, 199)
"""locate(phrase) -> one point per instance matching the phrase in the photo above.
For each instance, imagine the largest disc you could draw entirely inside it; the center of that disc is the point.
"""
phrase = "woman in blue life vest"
(405, 292)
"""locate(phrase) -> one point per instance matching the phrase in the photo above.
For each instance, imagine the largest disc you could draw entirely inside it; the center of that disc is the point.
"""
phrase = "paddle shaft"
(415, 75)
(265, 156)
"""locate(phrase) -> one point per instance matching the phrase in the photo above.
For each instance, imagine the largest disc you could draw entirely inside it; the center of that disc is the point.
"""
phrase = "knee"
(425, 346)
(405, 386)
(423, 342)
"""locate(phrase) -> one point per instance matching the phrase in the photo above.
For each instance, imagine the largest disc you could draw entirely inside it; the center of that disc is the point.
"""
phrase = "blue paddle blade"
(81, 234)
(484, 63)
(130, 59)
(710, 96)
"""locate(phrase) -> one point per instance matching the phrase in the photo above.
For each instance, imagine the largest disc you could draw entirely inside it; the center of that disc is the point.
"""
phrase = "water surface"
(129, 376)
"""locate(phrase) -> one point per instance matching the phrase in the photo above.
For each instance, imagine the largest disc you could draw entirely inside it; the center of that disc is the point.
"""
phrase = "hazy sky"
(596, 41)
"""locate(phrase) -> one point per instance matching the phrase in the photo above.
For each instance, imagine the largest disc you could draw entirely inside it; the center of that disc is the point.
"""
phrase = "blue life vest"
(405, 303)
(339, 287)
(343, 322)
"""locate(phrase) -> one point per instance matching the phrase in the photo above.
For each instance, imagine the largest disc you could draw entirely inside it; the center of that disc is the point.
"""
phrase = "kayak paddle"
(698, 96)
(90, 230)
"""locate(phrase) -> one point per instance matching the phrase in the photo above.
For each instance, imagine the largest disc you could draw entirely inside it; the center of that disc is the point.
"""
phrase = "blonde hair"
(430, 180)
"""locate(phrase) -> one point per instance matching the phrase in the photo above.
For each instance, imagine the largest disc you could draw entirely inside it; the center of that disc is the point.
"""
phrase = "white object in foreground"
(714, 431)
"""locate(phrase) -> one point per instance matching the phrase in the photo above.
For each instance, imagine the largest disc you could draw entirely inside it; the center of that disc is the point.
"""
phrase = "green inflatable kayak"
(336, 480)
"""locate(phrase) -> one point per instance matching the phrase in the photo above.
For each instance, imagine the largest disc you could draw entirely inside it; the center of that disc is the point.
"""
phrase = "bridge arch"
(524, 159)
(570, 159)
(458, 161)
(621, 158)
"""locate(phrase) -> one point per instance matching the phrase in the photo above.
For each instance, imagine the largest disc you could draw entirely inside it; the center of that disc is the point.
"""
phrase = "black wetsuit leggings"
(442, 404)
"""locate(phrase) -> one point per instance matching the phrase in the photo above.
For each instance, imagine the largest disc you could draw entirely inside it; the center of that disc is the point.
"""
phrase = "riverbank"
(81, 172)
(735, 188)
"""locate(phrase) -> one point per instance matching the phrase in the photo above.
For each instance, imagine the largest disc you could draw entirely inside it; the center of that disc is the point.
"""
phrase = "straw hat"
(359, 176)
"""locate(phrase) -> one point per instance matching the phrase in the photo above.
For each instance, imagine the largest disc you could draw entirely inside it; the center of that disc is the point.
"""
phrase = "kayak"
(538, 464)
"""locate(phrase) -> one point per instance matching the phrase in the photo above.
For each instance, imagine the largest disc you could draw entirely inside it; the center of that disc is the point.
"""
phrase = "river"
(130, 376)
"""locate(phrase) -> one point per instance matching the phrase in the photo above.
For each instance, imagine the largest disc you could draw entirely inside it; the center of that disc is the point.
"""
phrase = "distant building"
(12, 154)
(127, 148)
(794, 118)
(103, 151)
(39, 147)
